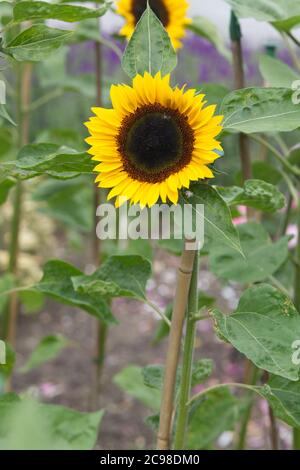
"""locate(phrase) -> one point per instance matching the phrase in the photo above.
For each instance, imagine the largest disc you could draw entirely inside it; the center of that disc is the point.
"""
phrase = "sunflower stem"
(187, 362)
(180, 303)
(296, 432)
(99, 328)
(24, 75)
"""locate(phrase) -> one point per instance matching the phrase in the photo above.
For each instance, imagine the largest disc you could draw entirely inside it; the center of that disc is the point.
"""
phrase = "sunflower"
(154, 141)
(172, 14)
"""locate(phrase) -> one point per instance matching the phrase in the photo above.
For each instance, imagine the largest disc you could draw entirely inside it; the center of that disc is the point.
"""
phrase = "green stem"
(187, 362)
(285, 163)
(297, 305)
(247, 414)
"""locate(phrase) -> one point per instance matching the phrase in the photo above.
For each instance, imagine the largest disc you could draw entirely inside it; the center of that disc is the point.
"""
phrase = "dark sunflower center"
(158, 6)
(155, 142)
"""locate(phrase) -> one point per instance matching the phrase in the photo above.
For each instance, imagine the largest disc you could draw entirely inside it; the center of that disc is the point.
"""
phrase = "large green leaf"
(284, 14)
(118, 276)
(255, 193)
(36, 43)
(207, 29)
(276, 73)
(284, 397)
(48, 348)
(28, 425)
(57, 283)
(149, 49)
(69, 202)
(34, 10)
(54, 160)
(5, 115)
(153, 375)
(264, 327)
(214, 413)
(262, 257)
(218, 225)
(130, 379)
(253, 110)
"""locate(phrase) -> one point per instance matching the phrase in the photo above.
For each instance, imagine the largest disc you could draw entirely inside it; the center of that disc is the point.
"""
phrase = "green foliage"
(130, 380)
(36, 43)
(253, 110)
(218, 224)
(207, 29)
(33, 10)
(276, 73)
(255, 193)
(262, 258)
(7, 368)
(28, 425)
(283, 14)
(149, 49)
(57, 283)
(213, 413)
(54, 160)
(284, 397)
(263, 327)
(47, 349)
(118, 276)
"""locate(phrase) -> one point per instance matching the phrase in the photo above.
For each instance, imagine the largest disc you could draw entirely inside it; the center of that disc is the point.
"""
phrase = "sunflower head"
(154, 141)
(171, 13)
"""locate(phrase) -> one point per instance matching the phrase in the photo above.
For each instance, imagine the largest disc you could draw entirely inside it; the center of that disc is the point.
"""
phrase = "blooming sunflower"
(154, 141)
(172, 14)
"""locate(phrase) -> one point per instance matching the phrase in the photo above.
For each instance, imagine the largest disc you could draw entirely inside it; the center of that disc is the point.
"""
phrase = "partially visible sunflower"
(172, 14)
(154, 141)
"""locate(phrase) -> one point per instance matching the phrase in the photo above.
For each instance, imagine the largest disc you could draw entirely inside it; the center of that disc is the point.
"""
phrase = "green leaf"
(32, 301)
(207, 29)
(214, 413)
(255, 193)
(26, 10)
(260, 110)
(130, 380)
(5, 187)
(284, 14)
(48, 348)
(218, 225)
(5, 115)
(7, 368)
(28, 425)
(7, 283)
(153, 375)
(284, 397)
(214, 93)
(36, 43)
(276, 73)
(57, 283)
(149, 49)
(69, 202)
(262, 170)
(118, 276)
(264, 328)
(54, 160)
(262, 257)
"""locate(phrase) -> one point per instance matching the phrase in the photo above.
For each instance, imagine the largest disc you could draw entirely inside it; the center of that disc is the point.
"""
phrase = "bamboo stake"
(180, 303)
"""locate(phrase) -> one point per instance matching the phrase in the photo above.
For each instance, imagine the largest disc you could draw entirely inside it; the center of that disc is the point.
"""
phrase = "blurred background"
(57, 222)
